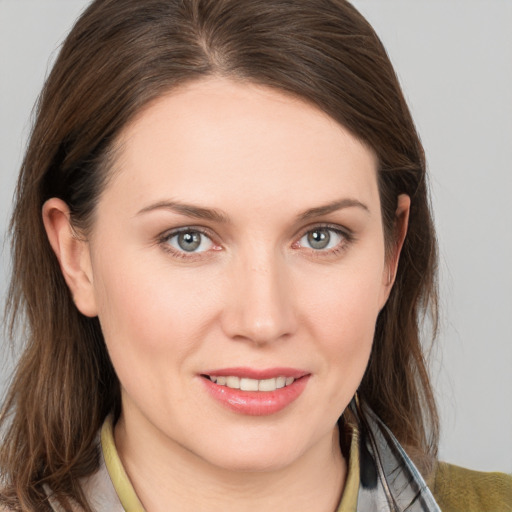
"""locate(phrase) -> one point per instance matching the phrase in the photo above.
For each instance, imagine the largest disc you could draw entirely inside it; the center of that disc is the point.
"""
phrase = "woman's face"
(239, 241)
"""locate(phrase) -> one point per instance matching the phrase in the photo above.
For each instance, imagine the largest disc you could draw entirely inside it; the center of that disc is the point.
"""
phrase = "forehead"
(239, 144)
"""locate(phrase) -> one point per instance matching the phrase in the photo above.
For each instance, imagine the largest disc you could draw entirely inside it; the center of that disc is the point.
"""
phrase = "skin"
(256, 293)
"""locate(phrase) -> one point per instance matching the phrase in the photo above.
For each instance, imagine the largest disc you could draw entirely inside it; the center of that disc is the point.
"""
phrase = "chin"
(255, 451)
(250, 461)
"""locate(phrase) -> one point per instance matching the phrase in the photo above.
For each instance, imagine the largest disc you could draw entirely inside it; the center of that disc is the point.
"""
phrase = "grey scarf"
(389, 480)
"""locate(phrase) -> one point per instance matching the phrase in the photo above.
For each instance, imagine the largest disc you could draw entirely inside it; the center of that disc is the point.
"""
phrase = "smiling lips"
(255, 392)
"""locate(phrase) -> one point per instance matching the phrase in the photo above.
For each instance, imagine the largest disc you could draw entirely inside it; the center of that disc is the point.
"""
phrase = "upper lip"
(257, 374)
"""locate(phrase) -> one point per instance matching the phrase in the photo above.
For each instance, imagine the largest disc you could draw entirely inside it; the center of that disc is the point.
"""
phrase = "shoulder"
(460, 489)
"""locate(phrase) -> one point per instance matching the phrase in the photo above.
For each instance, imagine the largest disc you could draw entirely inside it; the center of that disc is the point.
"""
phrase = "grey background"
(454, 59)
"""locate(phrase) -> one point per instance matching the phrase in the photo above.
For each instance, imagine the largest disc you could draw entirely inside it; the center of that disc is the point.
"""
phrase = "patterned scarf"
(389, 480)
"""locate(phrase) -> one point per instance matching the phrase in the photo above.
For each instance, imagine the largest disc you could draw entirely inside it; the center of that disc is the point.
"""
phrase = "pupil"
(319, 239)
(189, 241)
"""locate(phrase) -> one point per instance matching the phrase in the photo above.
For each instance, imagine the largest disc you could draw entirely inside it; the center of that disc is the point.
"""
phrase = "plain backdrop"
(454, 60)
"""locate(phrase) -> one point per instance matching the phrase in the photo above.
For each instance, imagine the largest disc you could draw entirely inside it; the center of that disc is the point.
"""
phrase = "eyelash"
(189, 256)
(347, 237)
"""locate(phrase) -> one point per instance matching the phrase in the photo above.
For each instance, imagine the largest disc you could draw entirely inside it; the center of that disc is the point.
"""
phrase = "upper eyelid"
(169, 233)
(325, 225)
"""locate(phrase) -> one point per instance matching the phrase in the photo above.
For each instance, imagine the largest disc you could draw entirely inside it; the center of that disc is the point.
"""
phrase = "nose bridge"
(261, 308)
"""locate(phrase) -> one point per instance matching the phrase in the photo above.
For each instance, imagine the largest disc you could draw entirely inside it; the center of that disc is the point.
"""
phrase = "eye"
(189, 240)
(321, 239)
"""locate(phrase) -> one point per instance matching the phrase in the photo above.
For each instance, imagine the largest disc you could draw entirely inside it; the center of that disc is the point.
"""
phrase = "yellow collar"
(120, 480)
(348, 501)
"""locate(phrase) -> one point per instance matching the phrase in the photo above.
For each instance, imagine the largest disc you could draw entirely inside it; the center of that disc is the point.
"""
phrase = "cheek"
(149, 314)
(341, 315)
(345, 300)
(347, 324)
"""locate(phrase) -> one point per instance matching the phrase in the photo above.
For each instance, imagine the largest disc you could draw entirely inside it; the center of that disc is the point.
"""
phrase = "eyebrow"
(188, 210)
(219, 216)
(334, 206)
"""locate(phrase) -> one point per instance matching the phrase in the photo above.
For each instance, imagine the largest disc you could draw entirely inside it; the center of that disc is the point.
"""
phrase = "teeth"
(246, 384)
(280, 382)
(233, 382)
(267, 385)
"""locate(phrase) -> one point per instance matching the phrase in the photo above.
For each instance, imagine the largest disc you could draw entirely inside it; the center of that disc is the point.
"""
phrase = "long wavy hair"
(120, 55)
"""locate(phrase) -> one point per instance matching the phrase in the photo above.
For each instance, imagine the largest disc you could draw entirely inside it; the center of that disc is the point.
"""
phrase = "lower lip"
(256, 403)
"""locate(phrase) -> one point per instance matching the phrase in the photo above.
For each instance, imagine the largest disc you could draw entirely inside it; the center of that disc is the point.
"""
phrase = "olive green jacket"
(459, 489)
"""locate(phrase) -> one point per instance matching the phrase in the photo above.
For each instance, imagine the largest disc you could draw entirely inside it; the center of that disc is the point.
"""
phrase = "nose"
(260, 306)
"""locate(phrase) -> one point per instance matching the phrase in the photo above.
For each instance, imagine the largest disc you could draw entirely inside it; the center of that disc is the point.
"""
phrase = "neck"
(163, 472)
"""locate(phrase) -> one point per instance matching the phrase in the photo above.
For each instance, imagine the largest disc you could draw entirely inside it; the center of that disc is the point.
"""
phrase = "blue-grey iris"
(319, 238)
(189, 240)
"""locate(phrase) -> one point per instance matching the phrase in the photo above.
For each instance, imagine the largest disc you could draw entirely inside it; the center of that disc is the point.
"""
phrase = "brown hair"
(120, 55)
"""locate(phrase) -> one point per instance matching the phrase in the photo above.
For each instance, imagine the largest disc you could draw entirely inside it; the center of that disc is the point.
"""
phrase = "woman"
(223, 248)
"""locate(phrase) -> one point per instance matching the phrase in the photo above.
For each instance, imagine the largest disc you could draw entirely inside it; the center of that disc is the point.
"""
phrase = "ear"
(399, 233)
(73, 254)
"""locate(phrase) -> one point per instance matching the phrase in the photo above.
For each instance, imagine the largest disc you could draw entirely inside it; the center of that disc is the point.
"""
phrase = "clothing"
(380, 476)
(460, 489)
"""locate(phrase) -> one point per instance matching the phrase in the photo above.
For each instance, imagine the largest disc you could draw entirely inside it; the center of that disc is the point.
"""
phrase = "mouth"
(247, 384)
(255, 392)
